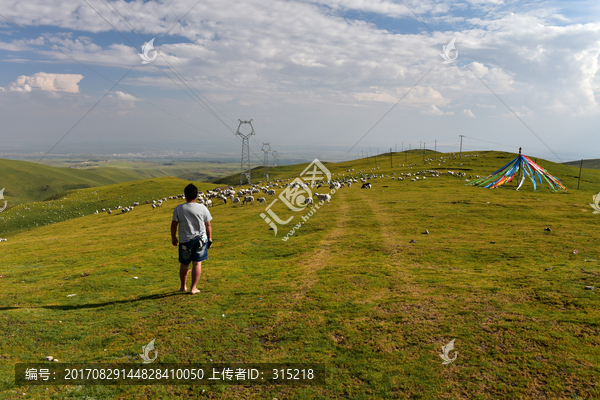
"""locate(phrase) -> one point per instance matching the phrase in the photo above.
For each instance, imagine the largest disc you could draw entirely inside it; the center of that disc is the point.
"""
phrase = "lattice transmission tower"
(275, 158)
(246, 171)
(266, 148)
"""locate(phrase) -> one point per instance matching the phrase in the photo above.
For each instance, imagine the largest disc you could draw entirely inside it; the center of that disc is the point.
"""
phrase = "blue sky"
(315, 76)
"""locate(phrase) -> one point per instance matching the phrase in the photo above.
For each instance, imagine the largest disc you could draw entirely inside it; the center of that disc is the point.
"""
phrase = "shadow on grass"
(96, 305)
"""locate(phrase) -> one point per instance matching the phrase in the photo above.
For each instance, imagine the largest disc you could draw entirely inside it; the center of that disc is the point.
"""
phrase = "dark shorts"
(197, 254)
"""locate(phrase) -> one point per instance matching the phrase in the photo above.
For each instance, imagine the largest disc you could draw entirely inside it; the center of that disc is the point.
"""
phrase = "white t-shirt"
(191, 218)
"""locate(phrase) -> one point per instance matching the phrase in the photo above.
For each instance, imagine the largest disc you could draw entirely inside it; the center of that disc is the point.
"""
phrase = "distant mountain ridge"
(592, 163)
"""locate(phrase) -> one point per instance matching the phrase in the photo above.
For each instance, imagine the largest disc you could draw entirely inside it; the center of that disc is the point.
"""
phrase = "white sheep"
(262, 200)
(323, 197)
(236, 200)
(248, 199)
(308, 201)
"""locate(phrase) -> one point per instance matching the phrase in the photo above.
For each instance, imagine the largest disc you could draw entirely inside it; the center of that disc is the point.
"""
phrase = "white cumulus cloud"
(434, 111)
(47, 82)
(124, 96)
(469, 113)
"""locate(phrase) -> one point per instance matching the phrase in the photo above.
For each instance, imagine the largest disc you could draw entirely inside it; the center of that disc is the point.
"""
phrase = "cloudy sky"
(329, 77)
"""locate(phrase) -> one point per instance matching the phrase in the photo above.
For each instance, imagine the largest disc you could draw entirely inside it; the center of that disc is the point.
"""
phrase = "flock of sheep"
(246, 196)
(219, 194)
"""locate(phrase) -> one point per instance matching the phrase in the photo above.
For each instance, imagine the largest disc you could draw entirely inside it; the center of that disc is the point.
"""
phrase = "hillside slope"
(592, 164)
(25, 181)
(488, 162)
(78, 203)
(347, 290)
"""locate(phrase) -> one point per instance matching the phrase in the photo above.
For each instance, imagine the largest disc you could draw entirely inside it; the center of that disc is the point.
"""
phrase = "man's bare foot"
(194, 291)
(183, 289)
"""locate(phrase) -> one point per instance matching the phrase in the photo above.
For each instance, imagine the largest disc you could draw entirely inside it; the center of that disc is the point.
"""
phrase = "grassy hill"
(346, 290)
(484, 165)
(24, 181)
(593, 164)
(81, 202)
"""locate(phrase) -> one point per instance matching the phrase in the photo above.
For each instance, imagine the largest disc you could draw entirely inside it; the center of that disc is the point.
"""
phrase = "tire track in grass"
(341, 281)
(412, 314)
(396, 252)
(359, 245)
(318, 259)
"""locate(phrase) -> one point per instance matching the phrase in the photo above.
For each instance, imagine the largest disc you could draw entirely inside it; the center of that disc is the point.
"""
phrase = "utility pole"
(436, 146)
(246, 171)
(461, 136)
(423, 151)
(391, 161)
(580, 166)
(275, 158)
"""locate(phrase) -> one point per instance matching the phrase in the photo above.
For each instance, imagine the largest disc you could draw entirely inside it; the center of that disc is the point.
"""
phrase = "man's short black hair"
(191, 192)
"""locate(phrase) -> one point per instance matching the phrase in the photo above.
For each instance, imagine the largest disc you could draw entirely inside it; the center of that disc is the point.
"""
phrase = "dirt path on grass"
(320, 257)
(330, 250)
(399, 251)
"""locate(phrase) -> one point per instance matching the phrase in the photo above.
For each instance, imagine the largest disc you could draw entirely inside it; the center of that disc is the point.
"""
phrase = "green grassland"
(81, 202)
(24, 181)
(188, 169)
(594, 163)
(346, 289)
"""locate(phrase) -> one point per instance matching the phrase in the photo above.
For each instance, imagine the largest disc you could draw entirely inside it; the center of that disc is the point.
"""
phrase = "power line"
(515, 114)
(77, 123)
(175, 58)
(384, 115)
(205, 59)
(163, 72)
(109, 80)
(184, 15)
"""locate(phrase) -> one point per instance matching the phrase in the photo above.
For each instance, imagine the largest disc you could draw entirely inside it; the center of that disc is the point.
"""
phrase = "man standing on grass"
(195, 236)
